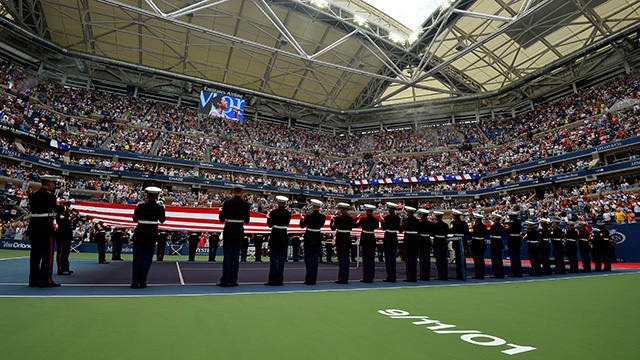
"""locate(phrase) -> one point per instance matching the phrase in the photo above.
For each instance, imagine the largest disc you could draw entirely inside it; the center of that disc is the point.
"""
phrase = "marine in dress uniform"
(43, 204)
(425, 229)
(410, 226)
(608, 245)
(100, 237)
(213, 246)
(368, 224)
(514, 243)
(545, 246)
(390, 225)
(234, 213)
(117, 238)
(63, 236)
(571, 238)
(147, 215)
(278, 221)
(497, 232)
(584, 246)
(596, 243)
(459, 230)
(295, 247)
(313, 222)
(557, 238)
(193, 239)
(440, 231)
(532, 237)
(163, 237)
(343, 225)
(479, 232)
(257, 244)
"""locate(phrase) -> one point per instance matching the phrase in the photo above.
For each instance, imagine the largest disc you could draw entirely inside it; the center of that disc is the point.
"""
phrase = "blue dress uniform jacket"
(343, 225)
(144, 240)
(425, 230)
(459, 230)
(585, 249)
(410, 227)
(545, 249)
(497, 232)
(278, 221)
(514, 243)
(368, 244)
(571, 239)
(312, 244)
(478, 247)
(440, 231)
(40, 232)
(532, 237)
(390, 225)
(234, 213)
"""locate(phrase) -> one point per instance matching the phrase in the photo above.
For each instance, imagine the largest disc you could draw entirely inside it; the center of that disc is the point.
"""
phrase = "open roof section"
(331, 57)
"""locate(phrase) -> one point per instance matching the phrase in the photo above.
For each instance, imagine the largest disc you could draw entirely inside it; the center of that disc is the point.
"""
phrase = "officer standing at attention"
(312, 240)
(193, 239)
(478, 245)
(390, 225)
(585, 246)
(596, 243)
(163, 237)
(234, 213)
(514, 243)
(295, 246)
(100, 237)
(147, 215)
(440, 231)
(257, 244)
(63, 236)
(497, 231)
(278, 220)
(459, 229)
(545, 246)
(570, 238)
(213, 246)
(608, 245)
(116, 241)
(557, 236)
(42, 203)
(410, 227)
(425, 229)
(343, 224)
(532, 237)
(368, 224)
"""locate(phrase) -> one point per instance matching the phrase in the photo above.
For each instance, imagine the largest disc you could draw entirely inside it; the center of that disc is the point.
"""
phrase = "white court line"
(19, 257)
(309, 290)
(180, 273)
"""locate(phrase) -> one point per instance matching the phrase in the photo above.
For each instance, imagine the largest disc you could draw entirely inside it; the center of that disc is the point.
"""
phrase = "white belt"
(280, 227)
(441, 236)
(147, 222)
(425, 235)
(572, 240)
(344, 231)
(547, 240)
(532, 242)
(391, 231)
(583, 239)
(411, 232)
(556, 239)
(478, 238)
(313, 230)
(41, 215)
(457, 235)
(235, 221)
(367, 232)
(496, 237)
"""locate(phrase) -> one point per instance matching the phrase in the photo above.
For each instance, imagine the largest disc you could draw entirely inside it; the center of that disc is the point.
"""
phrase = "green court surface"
(571, 318)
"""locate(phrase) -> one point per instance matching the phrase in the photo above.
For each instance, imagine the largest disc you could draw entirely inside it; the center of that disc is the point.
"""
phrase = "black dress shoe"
(388, 280)
(341, 282)
(497, 277)
(53, 284)
(104, 262)
(33, 285)
(308, 283)
(424, 279)
(134, 286)
(366, 281)
(233, 284)
(142, 286)
(222, 284)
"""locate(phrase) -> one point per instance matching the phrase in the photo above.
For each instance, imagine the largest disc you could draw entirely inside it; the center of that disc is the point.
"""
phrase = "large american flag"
(187, 218)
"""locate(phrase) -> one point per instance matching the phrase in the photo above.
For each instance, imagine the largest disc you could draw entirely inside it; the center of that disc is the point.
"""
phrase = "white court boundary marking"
(180, 273)
(310, 290)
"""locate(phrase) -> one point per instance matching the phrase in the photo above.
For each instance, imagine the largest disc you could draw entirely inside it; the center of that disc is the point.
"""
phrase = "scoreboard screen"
(221, 104)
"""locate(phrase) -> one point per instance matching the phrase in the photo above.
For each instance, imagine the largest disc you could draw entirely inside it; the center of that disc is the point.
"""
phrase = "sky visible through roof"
(410, 13)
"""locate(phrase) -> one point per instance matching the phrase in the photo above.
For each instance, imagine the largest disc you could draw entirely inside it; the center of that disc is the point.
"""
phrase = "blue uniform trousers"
(411, 262)
(368, 262)
(142, 259)
(277, 257)
(311, 255)
(41, 261)
(231, 261)
(390, 253)
(342, 253)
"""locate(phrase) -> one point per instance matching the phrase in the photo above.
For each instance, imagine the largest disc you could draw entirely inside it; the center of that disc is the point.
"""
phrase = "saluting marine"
(497, 231)
(514, 243)
(585, 246)
(390, 225)
(234, 213)
(440, 231)
(545, 246)
(459, 230)
(312, 240)
(343, 225)
(278, 221)
(532, 237)
(368, 224)
(557, 236)
(479, 232)
(570, 237)
(410, 227)
(147, 215)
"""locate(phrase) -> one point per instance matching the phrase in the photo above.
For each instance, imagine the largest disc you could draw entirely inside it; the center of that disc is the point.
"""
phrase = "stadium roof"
(338, 55)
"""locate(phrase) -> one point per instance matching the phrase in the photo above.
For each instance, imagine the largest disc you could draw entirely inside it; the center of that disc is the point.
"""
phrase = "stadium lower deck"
(174, 278)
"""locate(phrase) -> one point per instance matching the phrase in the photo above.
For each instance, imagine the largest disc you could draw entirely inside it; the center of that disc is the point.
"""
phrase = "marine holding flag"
(147, 215)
